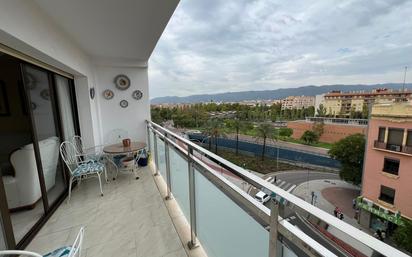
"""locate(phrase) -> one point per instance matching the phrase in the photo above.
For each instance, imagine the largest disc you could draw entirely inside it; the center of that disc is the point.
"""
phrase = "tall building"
(386, 187)
(298, 102)
(338, 103)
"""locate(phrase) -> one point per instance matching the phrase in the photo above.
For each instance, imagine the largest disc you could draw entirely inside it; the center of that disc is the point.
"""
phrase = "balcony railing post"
(192, 198)
(148, 138)
(273, 233)
(155, 154)
(168, 179)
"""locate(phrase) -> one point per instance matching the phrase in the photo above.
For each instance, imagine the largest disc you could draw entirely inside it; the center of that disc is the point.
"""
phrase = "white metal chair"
(80, 169)
(66, 251)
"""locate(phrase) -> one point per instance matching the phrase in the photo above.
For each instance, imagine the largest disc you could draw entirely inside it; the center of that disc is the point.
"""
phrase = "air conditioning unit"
(396, 148)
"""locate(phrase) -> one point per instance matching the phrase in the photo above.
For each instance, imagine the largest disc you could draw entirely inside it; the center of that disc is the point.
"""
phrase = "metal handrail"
(258, 182)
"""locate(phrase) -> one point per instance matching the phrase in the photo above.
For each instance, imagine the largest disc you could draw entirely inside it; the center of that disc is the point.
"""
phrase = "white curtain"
(66, 114)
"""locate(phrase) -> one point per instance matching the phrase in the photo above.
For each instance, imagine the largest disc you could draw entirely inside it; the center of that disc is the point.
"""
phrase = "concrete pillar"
(386, 135)
(405, 136)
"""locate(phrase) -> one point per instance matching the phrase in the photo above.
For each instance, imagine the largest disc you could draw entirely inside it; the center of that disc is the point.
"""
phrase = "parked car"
(262, 197)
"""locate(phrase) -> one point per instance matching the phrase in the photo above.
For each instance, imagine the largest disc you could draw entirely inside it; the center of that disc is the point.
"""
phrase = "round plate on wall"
(137, 94)
(45, 94)
(108, 94)
(122, 82)
(124, 103)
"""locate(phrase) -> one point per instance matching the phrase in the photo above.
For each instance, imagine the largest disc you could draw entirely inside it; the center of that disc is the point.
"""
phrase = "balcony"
(399, 149)
(407, 149)
(379, 144)
(182, 206)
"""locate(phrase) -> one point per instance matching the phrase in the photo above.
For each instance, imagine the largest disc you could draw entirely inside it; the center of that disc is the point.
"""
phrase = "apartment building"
(298, 102)
(386, 186)
(338, 103)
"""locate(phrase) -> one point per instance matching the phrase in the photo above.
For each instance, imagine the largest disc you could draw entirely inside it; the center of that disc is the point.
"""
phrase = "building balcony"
(398, 149)
(183, 206)
(407, 149)
(379, 145)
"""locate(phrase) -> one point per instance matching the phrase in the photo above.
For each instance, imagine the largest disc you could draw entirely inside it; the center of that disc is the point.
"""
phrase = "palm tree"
(214, 129)
(238, 126)
(264, 131)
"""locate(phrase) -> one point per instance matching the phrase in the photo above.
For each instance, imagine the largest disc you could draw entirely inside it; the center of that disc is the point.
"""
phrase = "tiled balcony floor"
(131, 219)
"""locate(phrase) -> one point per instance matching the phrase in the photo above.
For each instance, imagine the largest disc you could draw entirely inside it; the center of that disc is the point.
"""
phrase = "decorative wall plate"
(137, 94)
(124, 103)
(122, 82)
(30, 81)
(45, 94)
(108, 94)
(92, 92)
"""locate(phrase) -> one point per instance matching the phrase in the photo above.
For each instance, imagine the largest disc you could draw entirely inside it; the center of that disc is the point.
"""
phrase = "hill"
(270, 94)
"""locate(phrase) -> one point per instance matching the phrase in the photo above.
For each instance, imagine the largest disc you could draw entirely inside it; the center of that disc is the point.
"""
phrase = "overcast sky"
(212, 46)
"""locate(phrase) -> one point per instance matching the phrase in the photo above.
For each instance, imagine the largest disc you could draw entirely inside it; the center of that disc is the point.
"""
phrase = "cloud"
(234, 45)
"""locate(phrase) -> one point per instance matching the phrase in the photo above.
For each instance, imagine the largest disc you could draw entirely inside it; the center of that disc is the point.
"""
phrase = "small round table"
(119, 149)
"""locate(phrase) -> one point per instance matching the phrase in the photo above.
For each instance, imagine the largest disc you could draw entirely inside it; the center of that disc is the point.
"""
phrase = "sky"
(215, 46)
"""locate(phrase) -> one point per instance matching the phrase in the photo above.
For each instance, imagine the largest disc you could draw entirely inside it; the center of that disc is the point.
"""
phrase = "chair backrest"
(78, 143)
(77, 244)
(69, 155)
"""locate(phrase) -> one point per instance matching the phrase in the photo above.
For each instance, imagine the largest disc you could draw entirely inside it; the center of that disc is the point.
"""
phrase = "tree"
(238, 126)
(318, 127)
(214, 129)
(264, 131)
(310, 137)
(285, 132)
(365, 111)
(403, 235)
(321, 111)
(350, 152)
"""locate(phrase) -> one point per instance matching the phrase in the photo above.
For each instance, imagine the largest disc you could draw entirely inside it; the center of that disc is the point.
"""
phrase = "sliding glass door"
(46, 130)
(41, 113)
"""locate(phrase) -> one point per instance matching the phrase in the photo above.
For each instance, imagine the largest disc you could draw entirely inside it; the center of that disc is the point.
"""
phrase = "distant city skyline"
(220, 46)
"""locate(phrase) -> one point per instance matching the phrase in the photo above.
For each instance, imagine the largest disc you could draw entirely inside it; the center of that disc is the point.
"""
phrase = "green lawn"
(255, 163)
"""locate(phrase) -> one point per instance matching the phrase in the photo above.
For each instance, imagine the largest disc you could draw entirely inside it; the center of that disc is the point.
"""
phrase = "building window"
(381, 135)
(391, 166)
(409, 138)
(387, 194)
(395, 138)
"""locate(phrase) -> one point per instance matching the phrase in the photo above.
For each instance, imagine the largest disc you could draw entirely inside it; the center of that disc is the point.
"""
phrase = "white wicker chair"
(80, 169)
(74, 250)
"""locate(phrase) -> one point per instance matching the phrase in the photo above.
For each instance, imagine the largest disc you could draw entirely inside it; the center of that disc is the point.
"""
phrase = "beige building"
(298, 102)
(338, 103)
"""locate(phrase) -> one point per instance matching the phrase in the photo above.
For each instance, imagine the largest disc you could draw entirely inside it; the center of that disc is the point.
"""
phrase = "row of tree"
(215, 128)
(196, 115)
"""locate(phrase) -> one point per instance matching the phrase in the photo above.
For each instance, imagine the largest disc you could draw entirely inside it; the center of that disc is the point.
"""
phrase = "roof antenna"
(404, 97)
(404, 79)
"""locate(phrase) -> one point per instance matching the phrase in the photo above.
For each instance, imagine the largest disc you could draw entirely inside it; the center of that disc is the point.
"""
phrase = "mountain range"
(271, 94)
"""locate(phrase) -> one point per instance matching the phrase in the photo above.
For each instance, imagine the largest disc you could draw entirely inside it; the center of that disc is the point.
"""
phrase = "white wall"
(24, 27)
(112, 116)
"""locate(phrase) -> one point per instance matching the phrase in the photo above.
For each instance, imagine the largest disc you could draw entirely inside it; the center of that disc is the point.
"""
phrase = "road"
(288, 181)
(297, 221)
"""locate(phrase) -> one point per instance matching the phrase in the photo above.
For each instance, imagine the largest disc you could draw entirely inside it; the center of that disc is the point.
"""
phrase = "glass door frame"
(49, 209)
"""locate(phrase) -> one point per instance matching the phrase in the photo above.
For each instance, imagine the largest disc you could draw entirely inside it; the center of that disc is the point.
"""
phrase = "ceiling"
(112, 29)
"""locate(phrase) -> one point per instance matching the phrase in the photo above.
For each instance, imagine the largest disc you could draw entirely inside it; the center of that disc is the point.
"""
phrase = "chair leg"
(100, 183)
(105, 174)
(70, 189)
